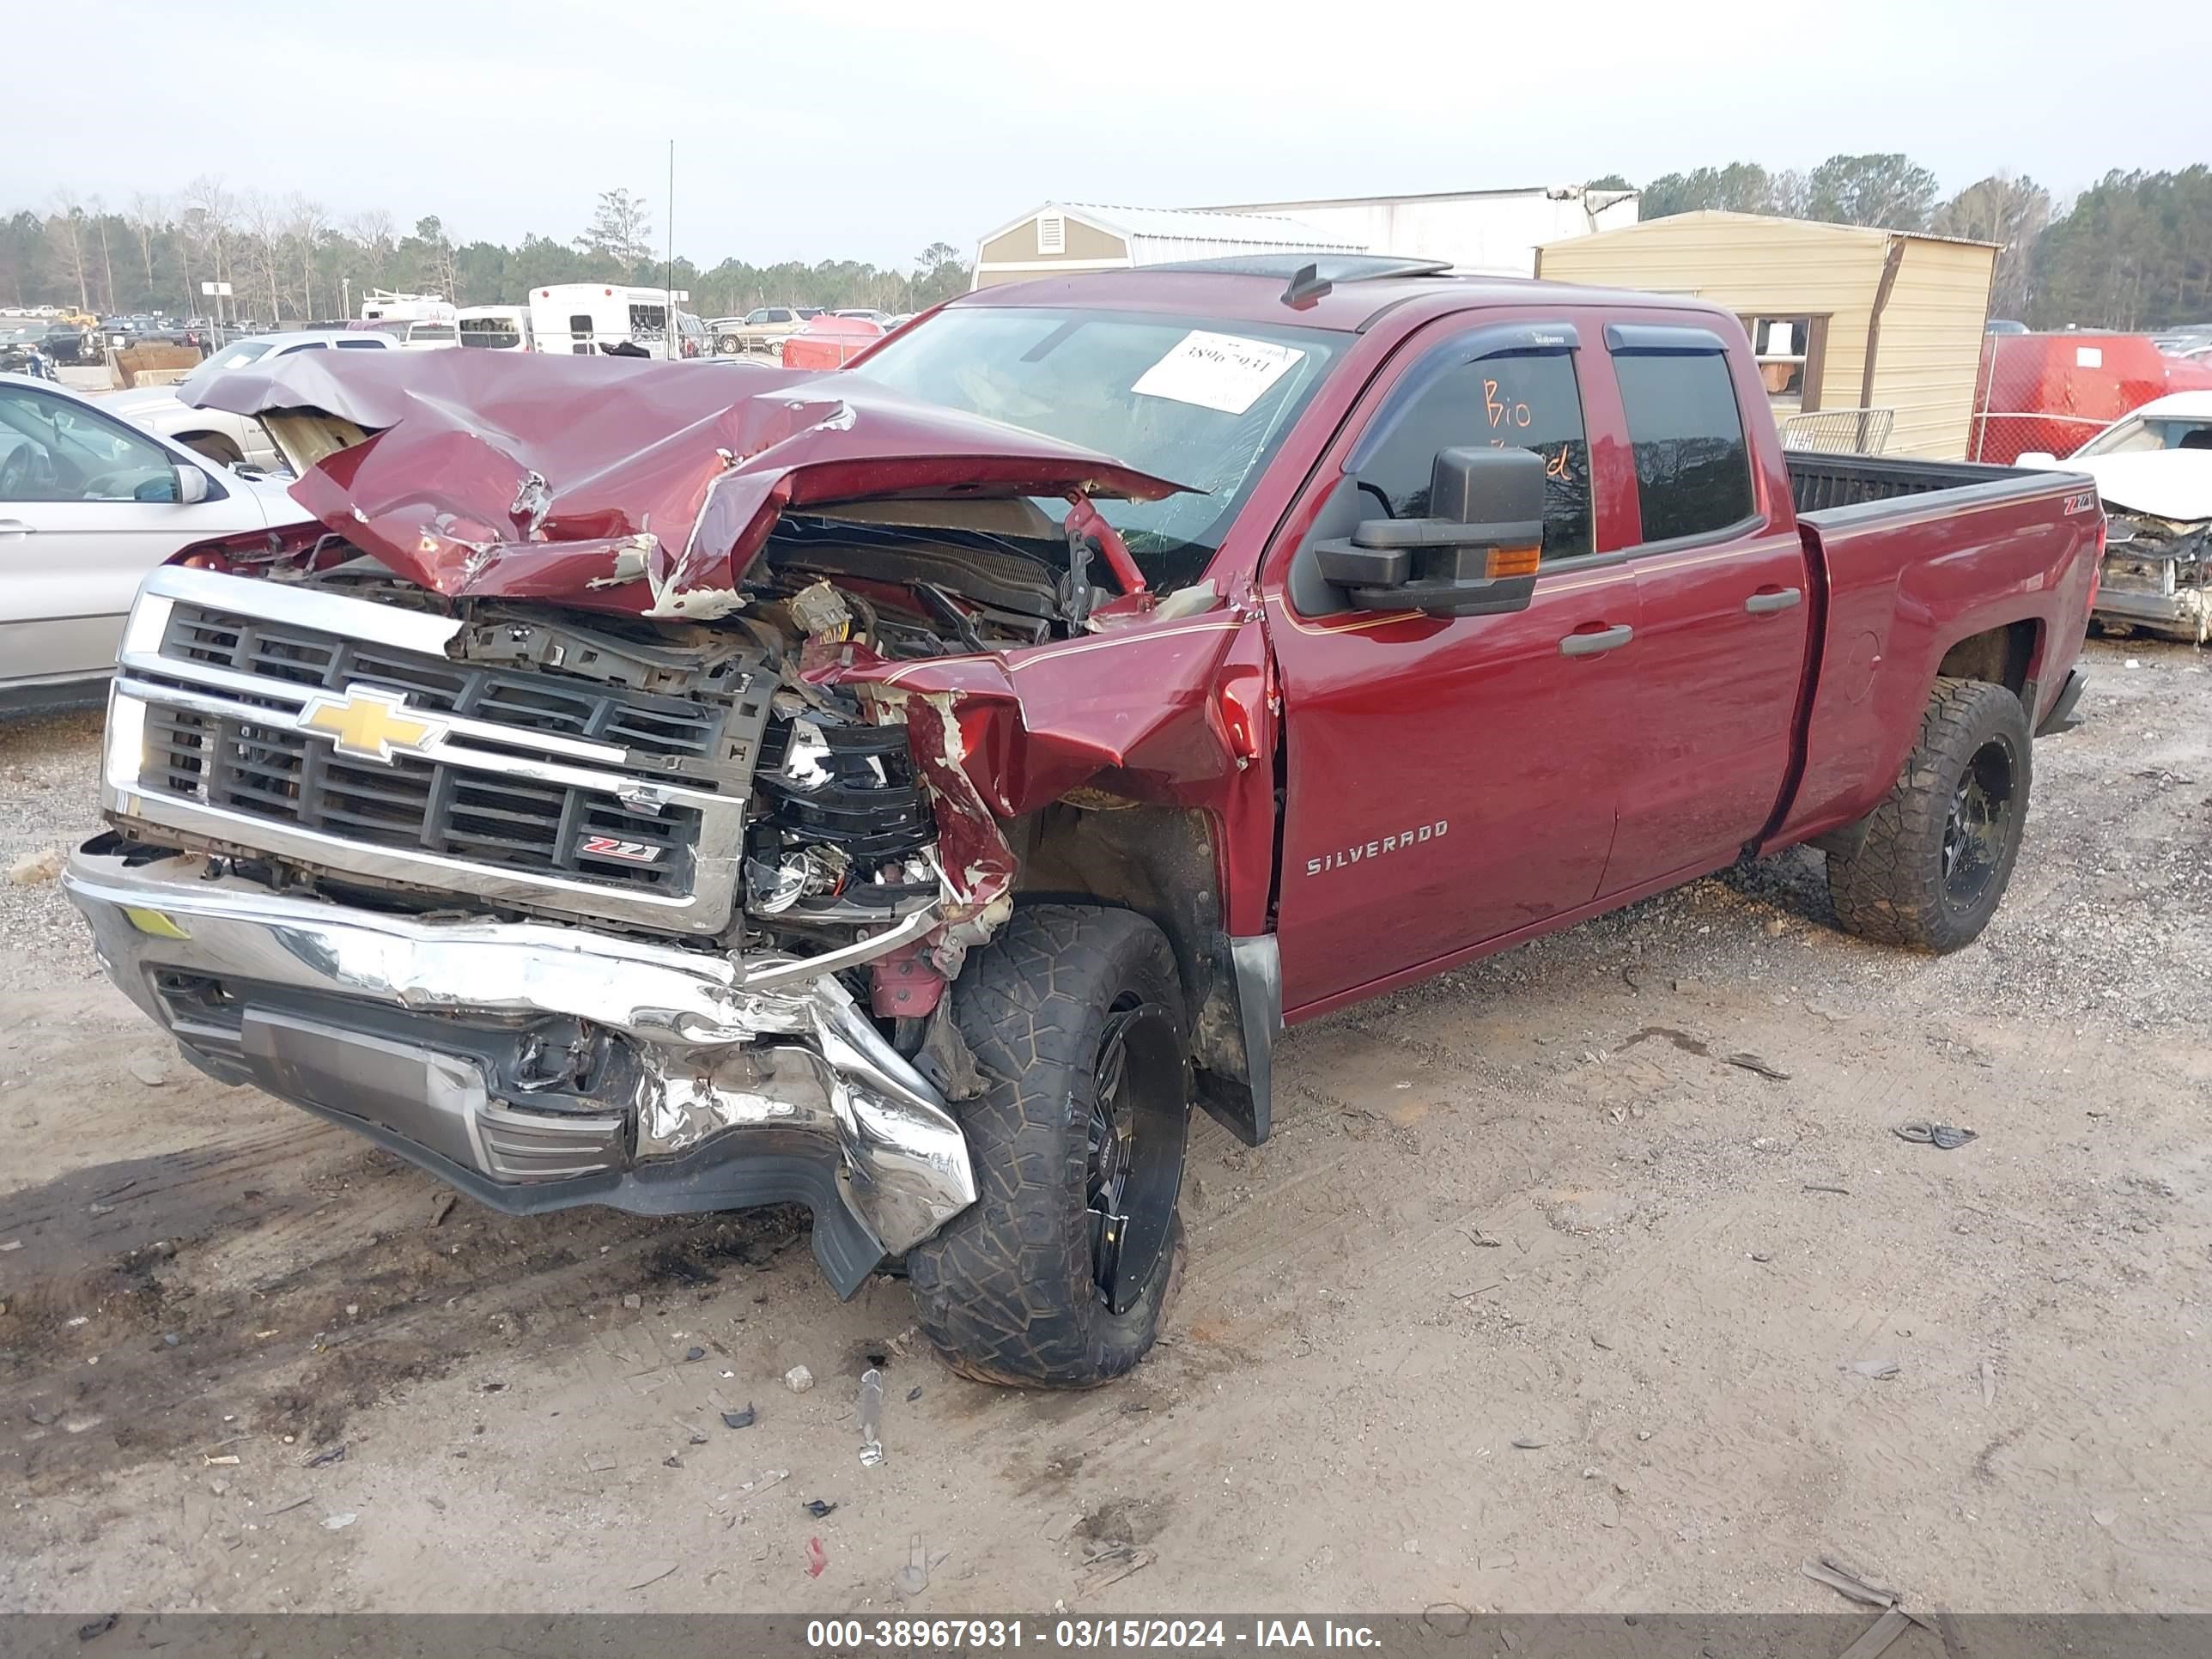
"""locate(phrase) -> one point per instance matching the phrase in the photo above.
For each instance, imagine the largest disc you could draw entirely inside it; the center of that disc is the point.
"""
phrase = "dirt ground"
(1536, 1302)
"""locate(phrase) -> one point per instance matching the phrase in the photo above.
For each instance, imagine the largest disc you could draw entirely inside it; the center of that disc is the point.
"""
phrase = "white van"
(582, 318)
(497, 328)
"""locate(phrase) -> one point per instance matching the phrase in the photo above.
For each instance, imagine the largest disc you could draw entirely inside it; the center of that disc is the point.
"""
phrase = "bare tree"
(262, 226)
(307, 225)
(145, 217)
(2012, 212)
(65, 230)
(99, 210)
(373, 231)
(211, 209)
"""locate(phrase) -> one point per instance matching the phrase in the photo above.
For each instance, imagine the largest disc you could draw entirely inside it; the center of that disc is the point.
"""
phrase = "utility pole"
(672, 349)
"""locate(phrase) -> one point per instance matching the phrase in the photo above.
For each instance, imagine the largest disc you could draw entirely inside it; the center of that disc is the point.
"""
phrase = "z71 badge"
(2082, 501)
(630, 852)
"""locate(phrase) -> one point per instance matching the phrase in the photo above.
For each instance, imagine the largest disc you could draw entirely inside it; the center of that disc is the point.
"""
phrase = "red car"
(908, 791)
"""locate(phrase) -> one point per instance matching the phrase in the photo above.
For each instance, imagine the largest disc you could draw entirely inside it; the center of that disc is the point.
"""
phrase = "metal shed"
(1063, 238)
(1857, 330)
(1484, 232)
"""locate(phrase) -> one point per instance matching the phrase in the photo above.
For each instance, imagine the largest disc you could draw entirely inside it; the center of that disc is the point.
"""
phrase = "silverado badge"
(366, 724)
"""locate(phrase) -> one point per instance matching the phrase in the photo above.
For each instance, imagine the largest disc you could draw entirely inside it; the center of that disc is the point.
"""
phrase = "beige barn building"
(1844, 317)
(1068, 239)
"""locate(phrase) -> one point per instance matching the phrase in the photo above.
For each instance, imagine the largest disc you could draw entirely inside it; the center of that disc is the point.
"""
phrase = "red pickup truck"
(905, 792)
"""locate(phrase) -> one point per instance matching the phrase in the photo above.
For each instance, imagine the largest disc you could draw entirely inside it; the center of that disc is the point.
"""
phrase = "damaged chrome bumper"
(538, 1066)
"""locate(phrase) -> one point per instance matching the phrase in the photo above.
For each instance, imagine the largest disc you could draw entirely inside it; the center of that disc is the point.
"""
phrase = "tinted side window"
(1527, 401)
(1692, 466)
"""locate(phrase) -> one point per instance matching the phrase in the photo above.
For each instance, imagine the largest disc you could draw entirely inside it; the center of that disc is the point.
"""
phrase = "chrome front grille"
(290, 777)
(549, 791)
(661, 735)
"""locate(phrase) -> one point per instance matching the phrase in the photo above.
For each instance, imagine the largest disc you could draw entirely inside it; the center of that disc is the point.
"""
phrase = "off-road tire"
(1891, 889)
(1005, 1290)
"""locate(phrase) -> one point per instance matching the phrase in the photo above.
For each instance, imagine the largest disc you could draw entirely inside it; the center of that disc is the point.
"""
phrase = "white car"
(2154, 473)
(87, 506)
(233, 440)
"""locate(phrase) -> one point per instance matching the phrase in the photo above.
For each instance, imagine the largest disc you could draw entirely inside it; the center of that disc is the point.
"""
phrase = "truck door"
(1452, 780)
(1720, 578)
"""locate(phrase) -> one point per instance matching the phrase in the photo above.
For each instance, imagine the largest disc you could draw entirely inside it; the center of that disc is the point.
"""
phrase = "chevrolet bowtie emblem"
(370, 724)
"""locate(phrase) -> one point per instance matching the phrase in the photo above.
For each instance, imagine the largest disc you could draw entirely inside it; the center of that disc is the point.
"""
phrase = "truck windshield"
(230, 357)
(1193, 399)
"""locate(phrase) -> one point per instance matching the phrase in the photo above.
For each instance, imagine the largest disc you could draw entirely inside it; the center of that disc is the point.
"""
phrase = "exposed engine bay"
(839, 839)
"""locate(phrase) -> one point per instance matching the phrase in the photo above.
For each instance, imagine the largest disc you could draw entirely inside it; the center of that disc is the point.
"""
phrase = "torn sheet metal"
(1137, 712)
(1143, 713)
(613, 484)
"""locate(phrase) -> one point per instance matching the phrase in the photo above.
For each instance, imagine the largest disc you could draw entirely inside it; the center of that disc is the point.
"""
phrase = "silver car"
(87, 506)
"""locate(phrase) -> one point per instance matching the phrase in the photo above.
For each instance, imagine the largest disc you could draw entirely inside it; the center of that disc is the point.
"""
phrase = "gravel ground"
(1534, 1302)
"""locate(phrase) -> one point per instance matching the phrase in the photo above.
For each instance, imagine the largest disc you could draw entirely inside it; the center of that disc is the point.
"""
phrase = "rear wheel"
(1938, 853)
(1059, 1273)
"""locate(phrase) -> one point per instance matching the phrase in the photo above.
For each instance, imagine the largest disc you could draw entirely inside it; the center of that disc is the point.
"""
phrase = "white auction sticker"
(1217, 371)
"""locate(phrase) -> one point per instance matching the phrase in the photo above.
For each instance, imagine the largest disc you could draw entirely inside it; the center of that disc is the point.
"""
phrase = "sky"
(866, 130)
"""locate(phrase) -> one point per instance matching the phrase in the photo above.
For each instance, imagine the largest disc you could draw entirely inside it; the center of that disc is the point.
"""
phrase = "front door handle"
(14, 527)
(1779, 598)
(1588, 645)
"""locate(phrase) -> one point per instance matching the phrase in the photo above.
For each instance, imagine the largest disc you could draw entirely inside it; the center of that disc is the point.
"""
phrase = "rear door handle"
(1588, 645)
(1781, 599)
(14, 527)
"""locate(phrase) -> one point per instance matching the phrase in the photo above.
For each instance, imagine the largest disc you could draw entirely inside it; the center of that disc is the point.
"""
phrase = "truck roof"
(1250, 288)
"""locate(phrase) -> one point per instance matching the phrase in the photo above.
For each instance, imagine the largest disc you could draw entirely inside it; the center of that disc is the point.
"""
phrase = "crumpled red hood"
(620, 484)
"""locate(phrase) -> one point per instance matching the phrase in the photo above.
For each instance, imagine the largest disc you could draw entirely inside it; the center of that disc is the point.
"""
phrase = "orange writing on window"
(1501, 412)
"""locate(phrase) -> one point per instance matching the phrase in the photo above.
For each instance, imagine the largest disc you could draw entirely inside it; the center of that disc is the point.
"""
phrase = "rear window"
(496, 332)
(432, 331)
(1692, 466)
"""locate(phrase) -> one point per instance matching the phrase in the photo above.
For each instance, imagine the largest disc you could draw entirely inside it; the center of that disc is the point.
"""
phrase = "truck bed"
(1820, 483)
(1910, 556)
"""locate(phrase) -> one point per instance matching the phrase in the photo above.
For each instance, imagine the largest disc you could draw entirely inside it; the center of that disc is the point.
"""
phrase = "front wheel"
(1938, 853)
(1059, 1273)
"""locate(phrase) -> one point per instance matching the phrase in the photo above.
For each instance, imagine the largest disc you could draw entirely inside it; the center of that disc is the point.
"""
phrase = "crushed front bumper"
(2183, 613)
(538, 1066)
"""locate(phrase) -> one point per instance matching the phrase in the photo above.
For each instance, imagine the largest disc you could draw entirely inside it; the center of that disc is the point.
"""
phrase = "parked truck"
(908, 791)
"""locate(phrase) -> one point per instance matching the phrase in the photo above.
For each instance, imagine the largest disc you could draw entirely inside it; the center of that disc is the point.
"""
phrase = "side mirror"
(1474, 556)
(191, 484)
(2035, 458)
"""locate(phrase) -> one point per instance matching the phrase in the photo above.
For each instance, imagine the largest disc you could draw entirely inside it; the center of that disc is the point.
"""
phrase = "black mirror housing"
(1476, 555)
